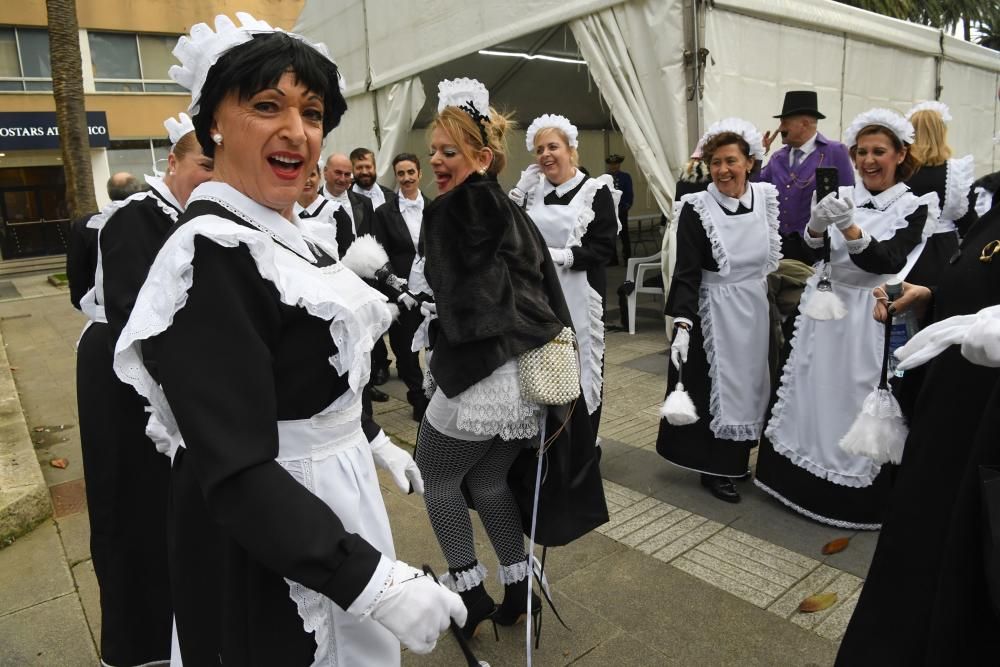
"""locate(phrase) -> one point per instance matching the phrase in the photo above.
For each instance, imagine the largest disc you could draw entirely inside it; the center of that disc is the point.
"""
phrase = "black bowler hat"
(800, 102)
(614, 158)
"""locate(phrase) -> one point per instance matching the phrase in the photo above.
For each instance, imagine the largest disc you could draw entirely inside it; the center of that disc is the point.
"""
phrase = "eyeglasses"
(990, 250)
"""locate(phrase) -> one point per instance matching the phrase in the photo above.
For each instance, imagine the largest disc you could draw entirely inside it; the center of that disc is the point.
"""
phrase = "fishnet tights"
(444, 461)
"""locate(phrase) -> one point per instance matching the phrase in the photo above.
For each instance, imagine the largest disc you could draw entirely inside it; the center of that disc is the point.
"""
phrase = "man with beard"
(793, 168)
(363, 166)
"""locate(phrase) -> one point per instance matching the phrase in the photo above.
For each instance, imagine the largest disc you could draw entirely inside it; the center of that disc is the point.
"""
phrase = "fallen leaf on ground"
(59, 463)
(817, 602)
(836, 546)
(39, 429)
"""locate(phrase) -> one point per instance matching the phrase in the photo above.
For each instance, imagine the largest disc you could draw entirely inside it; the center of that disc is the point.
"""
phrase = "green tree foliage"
(978, 18)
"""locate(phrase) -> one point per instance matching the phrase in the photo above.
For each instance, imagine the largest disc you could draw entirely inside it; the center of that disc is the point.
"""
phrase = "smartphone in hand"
(826, 182)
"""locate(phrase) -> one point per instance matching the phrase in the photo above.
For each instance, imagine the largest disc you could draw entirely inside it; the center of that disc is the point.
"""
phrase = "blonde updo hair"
(185, 145)
(574, 155)
(463, 130)
(930, 142)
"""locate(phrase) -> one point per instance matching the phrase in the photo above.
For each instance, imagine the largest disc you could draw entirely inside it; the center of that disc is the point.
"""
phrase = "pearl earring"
(217, 138)
(171, 172)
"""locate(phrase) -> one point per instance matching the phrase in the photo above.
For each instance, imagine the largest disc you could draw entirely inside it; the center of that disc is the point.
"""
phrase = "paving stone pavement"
(675, 577)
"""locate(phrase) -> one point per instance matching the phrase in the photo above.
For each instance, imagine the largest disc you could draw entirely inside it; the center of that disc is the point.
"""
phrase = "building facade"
(126, 52)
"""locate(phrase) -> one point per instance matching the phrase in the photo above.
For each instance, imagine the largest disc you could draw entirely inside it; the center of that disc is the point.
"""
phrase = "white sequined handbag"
(550, 374)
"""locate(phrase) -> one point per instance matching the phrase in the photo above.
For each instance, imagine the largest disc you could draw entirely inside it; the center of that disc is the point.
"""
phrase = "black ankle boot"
(515, 603)
(480, 607)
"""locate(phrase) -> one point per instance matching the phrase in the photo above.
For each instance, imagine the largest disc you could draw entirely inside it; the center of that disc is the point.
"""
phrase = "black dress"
(925, 600)
(127, 479)
(941, 246)
(237, 365)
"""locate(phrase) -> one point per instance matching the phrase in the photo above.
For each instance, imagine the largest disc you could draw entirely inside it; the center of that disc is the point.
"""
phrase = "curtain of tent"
(634, 52)
(398, 106)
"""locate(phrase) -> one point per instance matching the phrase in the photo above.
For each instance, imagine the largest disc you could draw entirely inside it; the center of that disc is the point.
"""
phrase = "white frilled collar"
(882, 200)
(265, 219)
(563, 188)
(731, 204)
(157, 184)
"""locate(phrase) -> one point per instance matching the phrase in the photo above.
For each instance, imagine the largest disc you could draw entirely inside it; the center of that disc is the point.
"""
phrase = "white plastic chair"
(636, 272)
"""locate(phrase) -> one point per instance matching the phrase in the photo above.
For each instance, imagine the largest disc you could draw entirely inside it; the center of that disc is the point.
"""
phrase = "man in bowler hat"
(792, 170)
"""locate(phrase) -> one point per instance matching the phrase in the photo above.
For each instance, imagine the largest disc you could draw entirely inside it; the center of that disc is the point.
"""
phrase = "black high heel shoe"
(480, 608)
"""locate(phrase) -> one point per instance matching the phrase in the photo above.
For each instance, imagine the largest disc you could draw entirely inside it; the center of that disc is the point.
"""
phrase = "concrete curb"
(24, 495)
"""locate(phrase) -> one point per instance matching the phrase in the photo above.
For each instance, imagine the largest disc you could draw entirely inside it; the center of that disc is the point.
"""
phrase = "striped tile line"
(763, 574)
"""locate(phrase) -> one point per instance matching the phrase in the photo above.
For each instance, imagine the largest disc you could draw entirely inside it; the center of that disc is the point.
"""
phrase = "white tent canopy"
(637, 79)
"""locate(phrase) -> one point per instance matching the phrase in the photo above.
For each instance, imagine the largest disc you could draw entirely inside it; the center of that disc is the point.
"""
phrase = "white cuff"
(858, 245)
(812, 241)
(569, 257)
(683, 320)
(372, 593)
(516, 196)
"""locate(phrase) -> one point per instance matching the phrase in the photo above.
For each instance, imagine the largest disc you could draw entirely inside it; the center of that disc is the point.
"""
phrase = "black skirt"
(126, 482)
(695, 446)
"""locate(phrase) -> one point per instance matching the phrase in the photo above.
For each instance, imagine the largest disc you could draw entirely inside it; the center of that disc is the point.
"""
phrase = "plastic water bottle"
(904, 325)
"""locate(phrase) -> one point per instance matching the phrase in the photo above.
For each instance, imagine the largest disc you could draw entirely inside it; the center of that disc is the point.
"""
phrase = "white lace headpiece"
(551, 120)
(178, 127)
(199, 52)
(744, 128)
(463, 92)
(931, 105)
(886, 118)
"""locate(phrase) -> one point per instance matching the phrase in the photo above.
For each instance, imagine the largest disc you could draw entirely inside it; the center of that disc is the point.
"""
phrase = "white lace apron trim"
(747, 280)
(357, 313)
(495, 406)
(959, 175)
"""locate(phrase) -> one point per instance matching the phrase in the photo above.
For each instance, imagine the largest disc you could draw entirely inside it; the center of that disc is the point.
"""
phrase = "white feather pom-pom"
(824, 304)
(679, 409)
(365, 256)
(879, 432)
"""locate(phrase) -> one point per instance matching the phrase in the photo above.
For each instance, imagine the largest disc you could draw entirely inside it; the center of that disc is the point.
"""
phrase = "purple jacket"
(795, 192)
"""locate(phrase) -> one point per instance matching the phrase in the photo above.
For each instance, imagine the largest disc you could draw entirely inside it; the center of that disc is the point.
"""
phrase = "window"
(130, 63)
(139, 157)
(24, 60)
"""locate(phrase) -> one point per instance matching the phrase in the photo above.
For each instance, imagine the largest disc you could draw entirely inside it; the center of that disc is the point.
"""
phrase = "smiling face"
(408, 178)
(449, 163)
(310, 189)
(876, 158)
(554, 156)
(730, 168)
(364, 171)
(797, 130)
(269, 141)
(338, 174)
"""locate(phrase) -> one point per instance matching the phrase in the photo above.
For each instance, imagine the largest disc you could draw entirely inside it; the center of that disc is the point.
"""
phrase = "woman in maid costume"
(577, 216)
(252, 343)
(496, 297)
(727, 243)
(127, 479)
(932, 595)
(875, 229)
(947, 177)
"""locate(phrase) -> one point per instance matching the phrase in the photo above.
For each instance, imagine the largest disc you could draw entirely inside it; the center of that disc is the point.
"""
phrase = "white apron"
(328, 453)
(835, 364)
(734, 311)
(564, 227)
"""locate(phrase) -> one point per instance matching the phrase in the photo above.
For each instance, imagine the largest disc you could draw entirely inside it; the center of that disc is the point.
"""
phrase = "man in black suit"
(397, 227)
(363, 168)
(338, 179)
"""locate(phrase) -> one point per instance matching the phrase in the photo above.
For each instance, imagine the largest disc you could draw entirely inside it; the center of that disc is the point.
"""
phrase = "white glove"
(417, 609)
(398, 463)
(428, 309)
(560, 256)
(981, 344)
(831, 211)
(679, 348)
(529, 178)
(407, 301)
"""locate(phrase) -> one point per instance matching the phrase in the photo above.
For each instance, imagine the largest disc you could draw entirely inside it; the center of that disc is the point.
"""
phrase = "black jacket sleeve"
(345, 235)
(215, 365)
(694, 253)
(966, 221)
(889, 256)
(597, 246)
(81, 259)
(129, 242)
